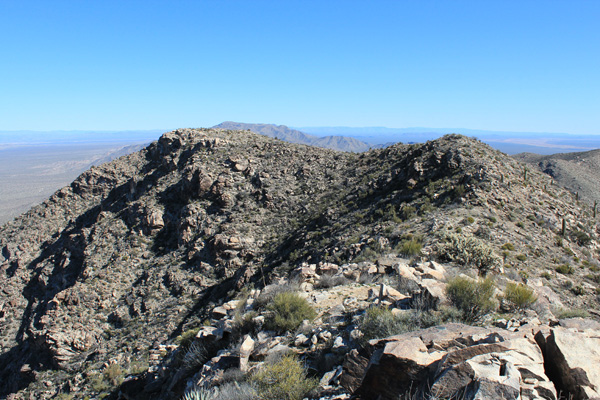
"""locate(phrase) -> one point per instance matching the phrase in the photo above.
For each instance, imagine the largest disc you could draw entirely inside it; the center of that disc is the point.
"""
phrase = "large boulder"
(393, 369)
(573, 360)
(456, 361)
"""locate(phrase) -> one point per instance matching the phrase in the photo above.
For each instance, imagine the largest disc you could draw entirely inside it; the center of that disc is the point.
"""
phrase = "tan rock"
(394, 369)
(575, 360)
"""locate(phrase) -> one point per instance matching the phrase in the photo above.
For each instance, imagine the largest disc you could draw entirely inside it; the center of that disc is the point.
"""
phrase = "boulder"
(353, 369)
(327, 269)
(432, 294)
(456, 361)
(573, 360)
(395, 368)
(245, 351)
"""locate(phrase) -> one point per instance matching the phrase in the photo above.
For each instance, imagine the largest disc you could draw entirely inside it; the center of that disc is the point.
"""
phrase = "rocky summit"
(222, 264)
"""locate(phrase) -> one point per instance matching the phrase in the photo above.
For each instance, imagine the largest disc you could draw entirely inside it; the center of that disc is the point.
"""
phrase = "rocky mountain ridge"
(106, 274)
(576, 171)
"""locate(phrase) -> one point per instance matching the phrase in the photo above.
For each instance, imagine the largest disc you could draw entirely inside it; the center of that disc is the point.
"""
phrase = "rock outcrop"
(105, 287)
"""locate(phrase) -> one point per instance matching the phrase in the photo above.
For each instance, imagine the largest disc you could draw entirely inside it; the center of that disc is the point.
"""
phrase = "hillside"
(111, 286)
(578, 172)
(30, 173)
(335, 142)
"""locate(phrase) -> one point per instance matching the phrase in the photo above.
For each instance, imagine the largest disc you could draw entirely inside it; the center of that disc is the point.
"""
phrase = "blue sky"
(114, 65)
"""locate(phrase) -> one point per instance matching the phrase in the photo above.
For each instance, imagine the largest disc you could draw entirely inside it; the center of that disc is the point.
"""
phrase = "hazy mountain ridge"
(111, 269)
(334, 142)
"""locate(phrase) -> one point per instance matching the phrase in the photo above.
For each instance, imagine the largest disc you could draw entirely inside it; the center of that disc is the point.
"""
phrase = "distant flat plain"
(30, 173)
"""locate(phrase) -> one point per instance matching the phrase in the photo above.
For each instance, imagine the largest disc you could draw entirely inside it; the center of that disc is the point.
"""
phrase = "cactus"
(595, 206)
(564, 228)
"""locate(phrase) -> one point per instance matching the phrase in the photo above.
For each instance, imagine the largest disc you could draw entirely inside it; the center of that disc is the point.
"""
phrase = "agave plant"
(198, 394)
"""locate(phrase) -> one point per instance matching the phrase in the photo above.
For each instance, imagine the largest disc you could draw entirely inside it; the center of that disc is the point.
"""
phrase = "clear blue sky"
(112, 65)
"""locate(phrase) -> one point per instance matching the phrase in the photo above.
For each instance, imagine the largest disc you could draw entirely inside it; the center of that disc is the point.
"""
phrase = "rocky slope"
(576, 171)
(100, 282)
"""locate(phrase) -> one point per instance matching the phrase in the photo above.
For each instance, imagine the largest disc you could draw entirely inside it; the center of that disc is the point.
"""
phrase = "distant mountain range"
(334, 142)
(507, 142)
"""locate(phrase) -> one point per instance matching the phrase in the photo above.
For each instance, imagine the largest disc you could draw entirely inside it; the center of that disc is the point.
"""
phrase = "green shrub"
(467, 250)
(519, 295)
(187, 337)
(379, 322)
(546, 275)
(565, 269)
(410, 247)
(269, 292)
(283, 380)
(288, 310)
(473, 298)
(521, 257)
(408, 212)
(508, 246)
(561, 313)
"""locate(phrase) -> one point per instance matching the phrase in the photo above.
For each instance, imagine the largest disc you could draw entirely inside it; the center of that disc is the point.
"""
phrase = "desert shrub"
(379, 322)
(467, 250)
(114, 374)
(561, 313)
(186, 338)
(288, 310)
(582, 238)
(458, 192)
(411, 247)
(269, 292)
(593, 277)
(328, 281)
(546, 275)
(508, 246)
(473, 298)
(565, 269)
(521, 257)
(408, 212)
(284, 379)
(578, 290)
(235, 391)
(194, 357)
(519, 295)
